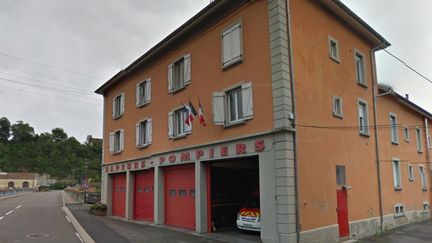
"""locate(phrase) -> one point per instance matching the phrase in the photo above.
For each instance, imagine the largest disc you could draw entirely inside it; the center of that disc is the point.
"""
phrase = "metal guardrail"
(4, 193)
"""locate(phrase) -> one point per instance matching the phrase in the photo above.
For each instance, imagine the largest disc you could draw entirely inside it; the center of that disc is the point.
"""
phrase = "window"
(363, 118)
(399, 210)
(410, 173)
(232, 51)
(340, 175)
(360, 68)
(334, 49)
(177, 126)
(116, 141)
(179, 74)
(426, 206)
(406, 134)
(233, 106)
(423, 178)
(118, 105)
(172, 192)
(143, 133)
(337, 107)
(419, 140)
(143, 92)
(396, 174)
(393, 129)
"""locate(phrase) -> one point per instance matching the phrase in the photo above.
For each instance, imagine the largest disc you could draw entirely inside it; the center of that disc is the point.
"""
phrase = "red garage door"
(180, 196)
(119, 195)
(144, 195)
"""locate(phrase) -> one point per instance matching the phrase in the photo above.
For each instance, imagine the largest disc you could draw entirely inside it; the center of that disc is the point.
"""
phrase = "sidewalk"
(107, 229)
(411, 233)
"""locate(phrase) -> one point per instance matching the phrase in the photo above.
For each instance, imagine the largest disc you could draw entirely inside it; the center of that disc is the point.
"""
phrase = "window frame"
(143, 131)
(186, 129)
(361, 102)
(397, 175)
(237, 91)
(427, 208)
(422, 177)
(145, 98)
(394, 131)
(332, 42)
(118, 107)
(341, 181)
(362, 72)
(419, 140)
(224, 32)
(399, 210)
(335, 112)
(185, 76)
(406, 133)
(117, 142)
(410, 172)
(245, 104)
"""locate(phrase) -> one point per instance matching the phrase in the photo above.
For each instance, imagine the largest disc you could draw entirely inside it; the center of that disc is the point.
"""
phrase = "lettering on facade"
(189, 156)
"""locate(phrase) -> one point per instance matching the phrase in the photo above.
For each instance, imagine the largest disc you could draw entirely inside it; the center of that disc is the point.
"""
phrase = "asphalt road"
(35, 217)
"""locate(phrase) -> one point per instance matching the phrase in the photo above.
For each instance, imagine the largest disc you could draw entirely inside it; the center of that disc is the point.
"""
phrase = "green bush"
(57, 186)
(98, 206)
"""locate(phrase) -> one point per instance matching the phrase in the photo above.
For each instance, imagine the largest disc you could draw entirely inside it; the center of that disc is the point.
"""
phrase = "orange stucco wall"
(411, 194)
(317, 79)
(207, 77)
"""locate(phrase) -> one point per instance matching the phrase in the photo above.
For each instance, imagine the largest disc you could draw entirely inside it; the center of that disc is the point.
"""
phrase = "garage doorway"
(144, 195)
(233, 188)
(119, 194)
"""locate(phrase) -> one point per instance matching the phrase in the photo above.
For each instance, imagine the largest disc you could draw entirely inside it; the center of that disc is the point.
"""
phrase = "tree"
(22, 132)
(59, 134)
(5, 129)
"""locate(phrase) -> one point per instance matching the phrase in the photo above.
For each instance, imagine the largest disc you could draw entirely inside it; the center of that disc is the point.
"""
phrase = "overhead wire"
(49, 66)
(408, 66)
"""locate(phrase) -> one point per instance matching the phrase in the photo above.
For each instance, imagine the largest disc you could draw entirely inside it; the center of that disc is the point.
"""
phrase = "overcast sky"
(55, 53)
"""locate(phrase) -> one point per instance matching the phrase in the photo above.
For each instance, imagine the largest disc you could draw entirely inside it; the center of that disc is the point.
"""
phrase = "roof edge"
(352, 19)
(405, 101)
(177, 34)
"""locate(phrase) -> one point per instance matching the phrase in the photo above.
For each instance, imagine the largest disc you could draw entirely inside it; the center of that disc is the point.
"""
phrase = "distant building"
(91, 140)
(18, 180)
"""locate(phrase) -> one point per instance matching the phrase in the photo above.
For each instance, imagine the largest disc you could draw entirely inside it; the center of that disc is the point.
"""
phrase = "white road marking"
(1, 218)
(18, 206)
(67, 218)
(79, 237)
(9, 212)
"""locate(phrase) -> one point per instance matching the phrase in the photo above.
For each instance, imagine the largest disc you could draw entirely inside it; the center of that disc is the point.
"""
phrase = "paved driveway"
(412, 233)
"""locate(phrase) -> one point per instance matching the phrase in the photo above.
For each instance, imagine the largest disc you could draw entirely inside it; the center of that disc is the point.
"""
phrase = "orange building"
(287, 91)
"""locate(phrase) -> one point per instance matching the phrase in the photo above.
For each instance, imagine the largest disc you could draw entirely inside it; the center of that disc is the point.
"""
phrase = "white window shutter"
(170, 125)
(122, 103)
(218, 108)
(121, 140)
(111, 143)
(113, 107)
(226, 48)
(137, 94)
(149, 131)
(247, 101)
(148, 90)
(236, 43)
(187, 69)
(170, 78)
(137, 134)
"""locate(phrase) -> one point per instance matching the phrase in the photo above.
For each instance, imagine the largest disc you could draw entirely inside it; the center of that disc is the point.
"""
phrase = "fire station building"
(289, 111)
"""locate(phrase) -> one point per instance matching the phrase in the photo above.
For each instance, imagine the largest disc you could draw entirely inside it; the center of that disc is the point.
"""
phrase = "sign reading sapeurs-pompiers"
(189, 156)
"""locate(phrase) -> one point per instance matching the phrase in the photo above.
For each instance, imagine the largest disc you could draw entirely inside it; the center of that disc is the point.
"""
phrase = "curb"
(81, 231)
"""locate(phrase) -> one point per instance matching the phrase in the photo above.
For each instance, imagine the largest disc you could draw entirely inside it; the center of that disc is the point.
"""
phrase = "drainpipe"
(377, 150)
(428, 146)
(291, 63)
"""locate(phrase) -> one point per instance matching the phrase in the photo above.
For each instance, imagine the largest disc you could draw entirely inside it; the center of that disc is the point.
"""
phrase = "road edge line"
(81, 231)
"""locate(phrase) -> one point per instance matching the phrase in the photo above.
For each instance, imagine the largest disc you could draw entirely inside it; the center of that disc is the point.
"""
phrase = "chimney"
(407, 96)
